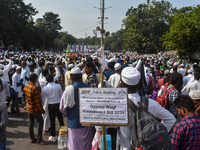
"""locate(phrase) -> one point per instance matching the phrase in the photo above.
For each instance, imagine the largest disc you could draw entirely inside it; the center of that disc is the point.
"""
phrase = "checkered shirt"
(33, 98)
(185, 134)
(173, 94)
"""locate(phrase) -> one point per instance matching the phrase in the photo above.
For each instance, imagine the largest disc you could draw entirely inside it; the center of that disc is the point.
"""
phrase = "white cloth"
(185, 87)
(187, 78)
(182, 71)
(157, 110)
(42, 80)
(52, 92)
(68, 98)
(16, 78)
(114, 80)
(45, 116)
(5, 92)
(192, 87)
(6, 70)
(160, 91)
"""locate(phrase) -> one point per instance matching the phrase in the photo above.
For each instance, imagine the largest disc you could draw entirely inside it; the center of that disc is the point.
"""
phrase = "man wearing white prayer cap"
(130, 78)
(68, 80)
(195, 96)
(114, 79)
(79, 137)
(187, 78)
(81, 66)
(182, 70)
(17, 86)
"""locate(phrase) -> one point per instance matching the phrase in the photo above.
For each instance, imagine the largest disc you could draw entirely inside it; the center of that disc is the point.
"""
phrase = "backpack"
(148, 133)
(1, 85)
(163, 98)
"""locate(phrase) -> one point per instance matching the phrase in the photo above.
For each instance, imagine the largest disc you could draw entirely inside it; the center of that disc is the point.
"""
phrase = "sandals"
(42, 142)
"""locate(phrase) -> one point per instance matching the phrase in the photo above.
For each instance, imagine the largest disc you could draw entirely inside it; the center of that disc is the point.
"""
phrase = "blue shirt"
(73, 118)
(25, 73)
(108, 73)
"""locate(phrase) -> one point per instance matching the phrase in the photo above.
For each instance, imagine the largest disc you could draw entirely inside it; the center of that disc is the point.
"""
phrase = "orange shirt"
(33, 98)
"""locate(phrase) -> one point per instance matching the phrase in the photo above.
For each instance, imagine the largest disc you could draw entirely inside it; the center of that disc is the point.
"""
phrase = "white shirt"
(187, 78)
(182, 71)
(186, 86)
(6, 70)
(52, 92)
(192, 87)
(5, 92)
(157, 110)
(114, 80)
(16, 78)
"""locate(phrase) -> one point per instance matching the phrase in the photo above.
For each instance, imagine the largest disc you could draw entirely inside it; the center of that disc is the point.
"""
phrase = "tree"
(115, 41)
(63, 39)
(145, 25)
(184, 31)
(15, 17)
(49, 27)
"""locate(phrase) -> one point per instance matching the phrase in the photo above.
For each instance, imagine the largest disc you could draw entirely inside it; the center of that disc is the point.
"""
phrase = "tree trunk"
(5, 43)
(188, 58)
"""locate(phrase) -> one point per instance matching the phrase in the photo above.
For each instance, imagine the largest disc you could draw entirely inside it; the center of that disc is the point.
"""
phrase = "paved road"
(18, 137)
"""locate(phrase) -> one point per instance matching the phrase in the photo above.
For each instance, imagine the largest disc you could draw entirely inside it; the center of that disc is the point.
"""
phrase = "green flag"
(67, 50)
(124, 51)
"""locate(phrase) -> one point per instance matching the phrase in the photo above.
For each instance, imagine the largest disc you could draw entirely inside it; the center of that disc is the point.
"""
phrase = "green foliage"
(89, 40)
(114, 42)
(145, 25)
(15, 18)
(48, 26)
(63, 39)
(184, 32)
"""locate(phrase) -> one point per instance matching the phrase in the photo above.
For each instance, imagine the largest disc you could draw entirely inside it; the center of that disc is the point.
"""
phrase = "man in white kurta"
(194, 85)
(130, 76)
(114, 79)
(17, 86)
(187, 78)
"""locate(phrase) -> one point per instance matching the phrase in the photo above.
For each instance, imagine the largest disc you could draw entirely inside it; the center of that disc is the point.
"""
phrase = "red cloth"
(160, 83)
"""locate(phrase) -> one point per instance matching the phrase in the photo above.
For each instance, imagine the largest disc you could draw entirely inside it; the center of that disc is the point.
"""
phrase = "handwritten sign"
(103, 106)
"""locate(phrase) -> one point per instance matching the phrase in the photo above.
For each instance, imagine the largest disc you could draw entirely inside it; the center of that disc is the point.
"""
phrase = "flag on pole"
(103, 59)
(67, 50)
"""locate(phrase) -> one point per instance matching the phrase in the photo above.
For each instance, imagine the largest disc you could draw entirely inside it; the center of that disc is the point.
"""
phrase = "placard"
(103, 106)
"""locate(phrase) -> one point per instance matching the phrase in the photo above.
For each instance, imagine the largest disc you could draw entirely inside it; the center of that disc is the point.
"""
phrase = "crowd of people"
(48, 84)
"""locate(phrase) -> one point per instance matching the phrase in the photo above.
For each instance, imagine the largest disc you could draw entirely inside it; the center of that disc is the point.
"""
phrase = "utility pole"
(102, 22)
(102, 31)
(102, 53)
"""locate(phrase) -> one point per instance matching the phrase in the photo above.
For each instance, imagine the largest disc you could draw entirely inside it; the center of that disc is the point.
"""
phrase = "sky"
(80, 18)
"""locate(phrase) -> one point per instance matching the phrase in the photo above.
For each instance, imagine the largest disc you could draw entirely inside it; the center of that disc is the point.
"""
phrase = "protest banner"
(103, 106)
